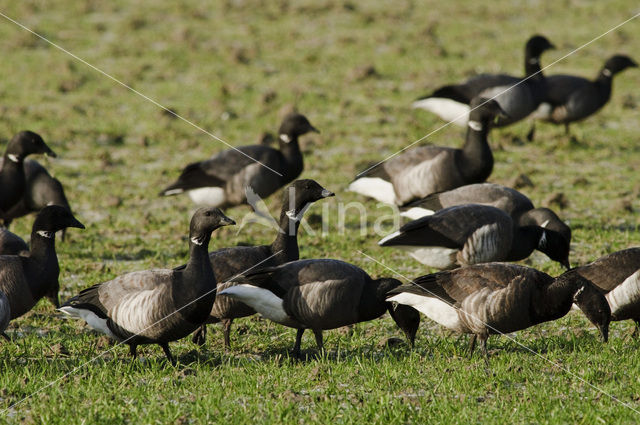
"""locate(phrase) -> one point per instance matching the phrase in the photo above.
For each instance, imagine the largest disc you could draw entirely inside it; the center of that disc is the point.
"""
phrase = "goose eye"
(208, 213)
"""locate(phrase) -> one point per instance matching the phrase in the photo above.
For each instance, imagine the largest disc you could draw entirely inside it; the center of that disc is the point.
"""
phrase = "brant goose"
(11, 244)
(320, 294)
(518, 97)
(12, 177)
(222, 180)
(41, 189)
(230, 262)
(28, 277)
(508, 200)
(5, 315)
(618, 276)
(472, 233)
(493, 298)
(570, 98)
(156, 306)
(424, 170)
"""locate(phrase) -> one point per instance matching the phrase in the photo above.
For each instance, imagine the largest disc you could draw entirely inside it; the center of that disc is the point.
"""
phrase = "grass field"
(234, 68)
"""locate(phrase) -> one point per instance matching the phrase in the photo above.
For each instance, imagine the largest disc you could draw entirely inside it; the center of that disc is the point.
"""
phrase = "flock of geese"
(459, 223)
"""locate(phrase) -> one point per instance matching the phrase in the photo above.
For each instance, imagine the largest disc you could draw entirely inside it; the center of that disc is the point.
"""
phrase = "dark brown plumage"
(493, 298)
(11, 244)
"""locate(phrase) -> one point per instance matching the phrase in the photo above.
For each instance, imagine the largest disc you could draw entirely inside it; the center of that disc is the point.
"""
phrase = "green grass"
(219, 66)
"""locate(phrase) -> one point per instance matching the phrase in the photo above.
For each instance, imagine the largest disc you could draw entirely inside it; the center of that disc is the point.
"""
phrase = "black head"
(485, 110)
(537, 45)
(302, 193)
(53, 218)
(593, 304)
(618, 63)
(555, 237)
(27, 143)
(407, 318)
(206, 220)
(294, 125)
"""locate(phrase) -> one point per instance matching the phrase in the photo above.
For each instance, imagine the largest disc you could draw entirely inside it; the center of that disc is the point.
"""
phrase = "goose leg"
(167, 352)
(200, 335)
(566, 129)
(472, 344)
(532, 132)
(5, 336)
(296, 346)
(133, 350)
(483, 347)
(226, 330)
(318, 335)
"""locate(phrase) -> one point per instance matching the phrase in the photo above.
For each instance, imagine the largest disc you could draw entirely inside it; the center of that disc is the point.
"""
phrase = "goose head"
(294, 125)
(485, 111)
(593, 304)
(301, 194)
(618, 63)
(27, 143)
(53, 218)
(537, 45)
(206, 220)
(406, 317)
(555, 236)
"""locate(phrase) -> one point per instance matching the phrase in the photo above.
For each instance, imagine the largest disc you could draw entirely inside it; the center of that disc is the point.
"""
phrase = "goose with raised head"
(320, 294)
(27, 278)
(12, 175)
(471, 233)
(230, 262)
(421, 171)
(500, 298)
(222, 180)
(156, 306)
(570, 98)
(518, 97)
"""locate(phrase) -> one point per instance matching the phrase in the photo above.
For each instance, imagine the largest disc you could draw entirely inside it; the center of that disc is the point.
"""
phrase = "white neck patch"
(297, 217)
(543, 225)
(533, 61)
(285, 138)
(197, 241)
(13, 157)
(543, 240)
(606, 72)
(45, 234)
(475, 125)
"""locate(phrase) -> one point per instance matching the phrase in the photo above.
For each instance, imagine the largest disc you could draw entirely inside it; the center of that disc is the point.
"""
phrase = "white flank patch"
(173, 192)
(482, 246)
(389, 237)
(91, 318)
(447, 109)
(261, 300)
(627, 293)
(434, 308)
(374, 187)
(415, 213)
(209, 196)
(432, 256)
(543, 112)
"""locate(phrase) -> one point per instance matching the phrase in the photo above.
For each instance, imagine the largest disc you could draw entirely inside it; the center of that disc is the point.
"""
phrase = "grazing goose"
(570, 98)
(5, 315)
(421, 171)
(496, 298)
(471, 233)
(230, 262)
(41, 189)
(318, 295)
(222, 180)
(11, 244)
(12, 177)
(27, 278)
(508, 200)
(156, 306)
(517, 97)
(618, 276)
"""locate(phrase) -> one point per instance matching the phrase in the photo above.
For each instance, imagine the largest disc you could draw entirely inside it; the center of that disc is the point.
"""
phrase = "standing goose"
(570, 98)
(156, 306)
(230, 262)
(5, 315)
(421, 171)
(26, 278)
(222, 180)
(501, 298)
(12, 176)
(518, 97)
(318, 295)
(470, 234)
(508, 200)
(618, 276)
(41, 189)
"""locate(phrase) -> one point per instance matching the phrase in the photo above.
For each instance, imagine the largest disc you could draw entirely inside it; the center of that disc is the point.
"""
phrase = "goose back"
(11, 244)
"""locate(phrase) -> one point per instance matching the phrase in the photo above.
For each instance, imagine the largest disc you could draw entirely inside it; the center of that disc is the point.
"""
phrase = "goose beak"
(226, 221)
(73, 222)
(313, 129)
(327, 193)
(48, 152)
